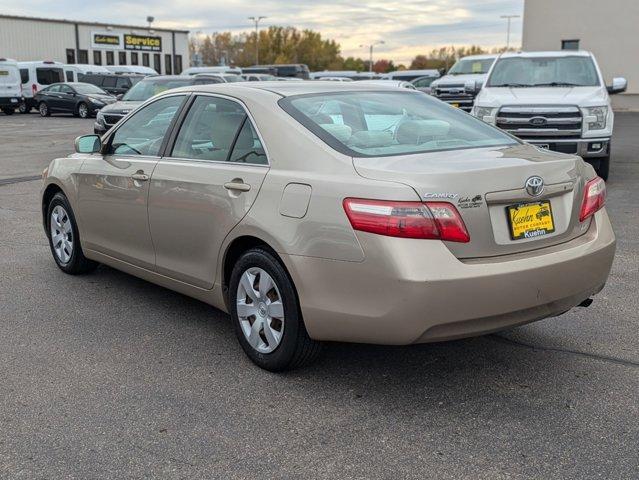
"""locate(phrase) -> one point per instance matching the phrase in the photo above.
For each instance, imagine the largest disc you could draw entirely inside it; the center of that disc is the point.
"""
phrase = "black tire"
(296, 348)
(603, 167)
(77, 263)
(23, 108)
(8, 111)
(43, 108)
(83, 110)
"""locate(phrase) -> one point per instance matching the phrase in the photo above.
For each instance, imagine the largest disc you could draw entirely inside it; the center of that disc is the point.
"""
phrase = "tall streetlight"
(370, 53)
(509, 18)
(256, 20)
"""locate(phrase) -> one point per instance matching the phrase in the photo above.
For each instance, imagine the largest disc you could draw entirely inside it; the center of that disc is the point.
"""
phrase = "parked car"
(258, 77)
(335, 79)
(112, 83)
(131, 69)
(36, 76)
(141, 92)
(404, 220)
(218, 69)
(423, 84)
(411, 75)
(464, 80)
(222, 77)
(80, 99)
(387, 83)
(294, 70)
(10, 86)
(555, 100)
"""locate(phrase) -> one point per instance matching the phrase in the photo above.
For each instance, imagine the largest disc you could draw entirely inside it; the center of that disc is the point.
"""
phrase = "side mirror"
(470, 86)
(119, 96)
(88, 144)
(619, 85)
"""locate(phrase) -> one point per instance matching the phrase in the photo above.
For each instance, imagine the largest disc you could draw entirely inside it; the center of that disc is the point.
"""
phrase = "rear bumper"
(10, 102)
(584, 147)
(413, 291)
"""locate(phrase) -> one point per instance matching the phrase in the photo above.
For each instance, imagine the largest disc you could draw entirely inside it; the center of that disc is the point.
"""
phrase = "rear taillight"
(34, 89)
(594, 198)
(433, 220)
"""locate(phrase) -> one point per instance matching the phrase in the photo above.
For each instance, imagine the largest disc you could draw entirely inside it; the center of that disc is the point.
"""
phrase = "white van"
(37, 75)
(10, 88)
(219, 69)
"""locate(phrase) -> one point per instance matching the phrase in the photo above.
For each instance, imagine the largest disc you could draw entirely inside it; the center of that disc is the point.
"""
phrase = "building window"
(121, 58)
(70, 55)
(134, 58)
(145, 59)
(110, 58)
(83, 56)
(97, 57)
(157, 62)
(570, 44)
(167, 65)
(178, 64)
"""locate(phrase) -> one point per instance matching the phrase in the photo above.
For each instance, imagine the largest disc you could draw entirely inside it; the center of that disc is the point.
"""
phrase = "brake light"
(594, 198)
(427, 220)
(34, 89)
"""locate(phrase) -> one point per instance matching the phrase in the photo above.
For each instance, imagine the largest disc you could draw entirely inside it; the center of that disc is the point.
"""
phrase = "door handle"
(237, 185)
(140, 175)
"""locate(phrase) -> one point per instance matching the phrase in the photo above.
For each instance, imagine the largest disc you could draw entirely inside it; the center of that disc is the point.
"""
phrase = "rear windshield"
(9, 75)
(147, 88)
(572, 71)
(371, 124)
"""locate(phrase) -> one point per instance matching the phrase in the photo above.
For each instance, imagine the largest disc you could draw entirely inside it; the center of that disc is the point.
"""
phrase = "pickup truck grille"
(541, 123)
(455, 94)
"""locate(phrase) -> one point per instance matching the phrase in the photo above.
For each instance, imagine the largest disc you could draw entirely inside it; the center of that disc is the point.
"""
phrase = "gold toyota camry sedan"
(325, 211)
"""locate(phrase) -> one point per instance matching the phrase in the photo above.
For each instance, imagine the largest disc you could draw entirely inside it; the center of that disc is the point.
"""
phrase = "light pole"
(370, 53)
(509, 18)
(256, 20)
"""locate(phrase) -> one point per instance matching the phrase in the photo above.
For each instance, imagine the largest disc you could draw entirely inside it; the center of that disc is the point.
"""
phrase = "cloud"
(407, 27)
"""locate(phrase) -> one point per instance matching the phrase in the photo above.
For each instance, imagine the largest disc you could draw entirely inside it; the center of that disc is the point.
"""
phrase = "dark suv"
(112, 83)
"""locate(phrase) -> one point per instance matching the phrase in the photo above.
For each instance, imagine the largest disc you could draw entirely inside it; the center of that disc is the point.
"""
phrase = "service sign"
(106, 40)
(142, 42)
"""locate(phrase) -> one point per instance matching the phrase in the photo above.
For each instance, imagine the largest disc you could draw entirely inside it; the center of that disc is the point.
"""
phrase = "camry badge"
(534, 186)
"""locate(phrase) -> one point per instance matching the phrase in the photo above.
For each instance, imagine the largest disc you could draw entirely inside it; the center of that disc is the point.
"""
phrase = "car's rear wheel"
(43, 108)
(266, 314)
(83, 110)
(8, 111)
(64, 238)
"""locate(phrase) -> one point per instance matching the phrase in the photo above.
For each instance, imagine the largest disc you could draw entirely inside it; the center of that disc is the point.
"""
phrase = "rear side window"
(109, 82)
(47, 76)
(123, 83)
(372, 124)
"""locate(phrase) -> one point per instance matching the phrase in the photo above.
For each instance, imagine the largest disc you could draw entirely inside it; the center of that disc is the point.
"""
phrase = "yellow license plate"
(456, 105)
(530, 220)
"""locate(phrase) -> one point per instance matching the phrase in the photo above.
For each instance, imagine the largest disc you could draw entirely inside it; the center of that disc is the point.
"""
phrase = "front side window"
(468, 66)
(123, 82)
(369, 124)
(423, 82)
(109, 82)
(144, 131)
(569, 71)
(24, 75)
(217, 129)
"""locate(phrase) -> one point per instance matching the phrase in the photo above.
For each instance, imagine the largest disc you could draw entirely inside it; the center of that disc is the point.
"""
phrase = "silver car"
(327, 211)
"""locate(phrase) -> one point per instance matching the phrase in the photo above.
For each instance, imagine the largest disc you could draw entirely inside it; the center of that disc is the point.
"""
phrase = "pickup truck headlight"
(596, 117)
(487, 114)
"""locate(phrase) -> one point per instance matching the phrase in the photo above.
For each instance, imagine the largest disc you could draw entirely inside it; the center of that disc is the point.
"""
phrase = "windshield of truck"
(370, 124)
(468, 66)
(147, 88)
(571, 71)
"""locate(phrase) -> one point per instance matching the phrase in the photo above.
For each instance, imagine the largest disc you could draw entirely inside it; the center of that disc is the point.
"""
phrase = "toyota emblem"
(534, 186)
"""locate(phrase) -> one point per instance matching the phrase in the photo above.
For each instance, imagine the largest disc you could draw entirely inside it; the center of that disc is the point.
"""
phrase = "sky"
(408, 27)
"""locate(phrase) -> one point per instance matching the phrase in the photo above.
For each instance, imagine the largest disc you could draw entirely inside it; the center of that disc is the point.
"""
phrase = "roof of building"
(97, 24)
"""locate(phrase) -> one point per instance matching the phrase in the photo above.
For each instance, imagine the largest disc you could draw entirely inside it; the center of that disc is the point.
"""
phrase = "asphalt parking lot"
(108, 376)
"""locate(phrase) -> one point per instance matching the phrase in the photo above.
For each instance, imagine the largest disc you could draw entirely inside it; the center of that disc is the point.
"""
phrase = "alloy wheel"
(260, 310)
(44, 110)
(83, 111)
(61, 234)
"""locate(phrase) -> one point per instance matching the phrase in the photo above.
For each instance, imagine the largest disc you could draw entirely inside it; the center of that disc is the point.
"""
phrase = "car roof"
(286, 89)
(548, 53)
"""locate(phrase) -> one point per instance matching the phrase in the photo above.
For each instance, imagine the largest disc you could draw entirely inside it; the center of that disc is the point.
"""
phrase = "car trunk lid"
(483, 183)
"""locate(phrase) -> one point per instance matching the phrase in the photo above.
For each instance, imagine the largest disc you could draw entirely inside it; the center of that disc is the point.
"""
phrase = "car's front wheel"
(64, 238)
(43, 108)
(266, 314)
(83, 110)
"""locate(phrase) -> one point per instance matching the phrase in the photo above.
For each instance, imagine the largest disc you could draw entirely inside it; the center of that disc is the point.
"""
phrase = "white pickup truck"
(556, 100)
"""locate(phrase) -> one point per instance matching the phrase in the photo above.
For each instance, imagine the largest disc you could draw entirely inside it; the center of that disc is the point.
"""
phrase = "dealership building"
(607, 29)
(68, 41)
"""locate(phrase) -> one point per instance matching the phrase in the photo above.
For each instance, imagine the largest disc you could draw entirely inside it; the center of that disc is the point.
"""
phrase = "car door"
(114, 186)
(66, 99)
(205, 185)
(51, 96)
